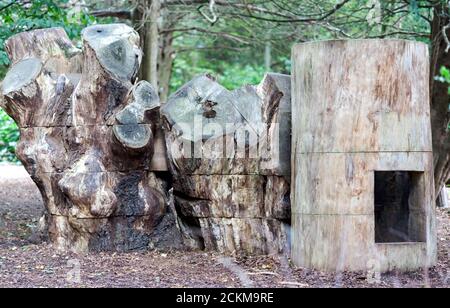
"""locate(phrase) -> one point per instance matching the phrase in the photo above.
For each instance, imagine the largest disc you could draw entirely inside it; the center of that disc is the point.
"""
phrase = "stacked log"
(87, 134)
(229, 156)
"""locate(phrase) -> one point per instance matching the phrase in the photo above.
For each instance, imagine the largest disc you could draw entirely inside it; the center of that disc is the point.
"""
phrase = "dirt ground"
(24, 263)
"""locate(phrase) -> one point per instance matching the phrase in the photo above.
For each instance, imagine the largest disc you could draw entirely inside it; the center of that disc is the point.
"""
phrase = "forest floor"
(25, 263)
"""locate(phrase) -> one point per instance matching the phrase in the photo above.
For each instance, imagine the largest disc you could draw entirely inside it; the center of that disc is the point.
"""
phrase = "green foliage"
(233, 47)
(445, 77)
(9, 135)
(230, 75)
(232, 63)
(20, 16)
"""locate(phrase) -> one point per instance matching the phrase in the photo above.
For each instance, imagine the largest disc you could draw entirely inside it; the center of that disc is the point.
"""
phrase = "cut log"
(87, 137)
(112, 57)
(229, 153)
(51, 46)
(211, 130)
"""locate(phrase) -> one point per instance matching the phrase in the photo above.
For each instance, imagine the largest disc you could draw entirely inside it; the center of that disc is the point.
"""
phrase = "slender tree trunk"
(152, 44)
(167, 52)
(145, 19)
(440, 116)
(166, 60)
(268, 56)
(137, 16)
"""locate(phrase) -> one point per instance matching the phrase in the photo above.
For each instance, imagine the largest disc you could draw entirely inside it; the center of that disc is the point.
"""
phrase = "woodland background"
(239, 40)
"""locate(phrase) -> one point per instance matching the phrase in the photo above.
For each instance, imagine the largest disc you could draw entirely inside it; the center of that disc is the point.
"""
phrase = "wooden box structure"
(362, 177)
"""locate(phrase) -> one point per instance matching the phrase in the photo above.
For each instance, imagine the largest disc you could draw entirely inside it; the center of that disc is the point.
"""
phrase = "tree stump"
(362, 190)
(87, 136)
(229, 154)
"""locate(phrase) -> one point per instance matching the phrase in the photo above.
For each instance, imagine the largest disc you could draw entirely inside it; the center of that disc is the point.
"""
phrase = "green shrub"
(9, 136)
(231, 76)
(445, 77)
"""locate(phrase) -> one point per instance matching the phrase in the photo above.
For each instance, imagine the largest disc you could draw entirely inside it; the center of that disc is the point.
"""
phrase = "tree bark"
(227, 152)
(166, 56)
(268, 56)
(151, 42)
(440, 100)
(87, 137)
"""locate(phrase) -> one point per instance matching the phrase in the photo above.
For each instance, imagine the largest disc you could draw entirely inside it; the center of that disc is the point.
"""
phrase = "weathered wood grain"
(343, 183)
(364, 102)
(236, 196)
(360, 108)
(207, 125)
(87, 137)
(316, 246)
(229, 154)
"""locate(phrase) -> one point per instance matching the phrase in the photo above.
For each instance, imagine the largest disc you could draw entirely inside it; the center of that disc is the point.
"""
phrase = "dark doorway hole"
(399, 207)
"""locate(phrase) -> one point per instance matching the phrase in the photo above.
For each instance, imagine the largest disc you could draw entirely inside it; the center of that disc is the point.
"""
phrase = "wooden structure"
(362, 188)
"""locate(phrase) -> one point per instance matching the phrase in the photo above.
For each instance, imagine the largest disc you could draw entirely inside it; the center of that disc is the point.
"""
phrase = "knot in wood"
(208, 109)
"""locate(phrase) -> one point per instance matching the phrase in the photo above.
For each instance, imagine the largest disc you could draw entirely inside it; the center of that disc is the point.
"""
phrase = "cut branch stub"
(116, 47)
(203, 102)
(231, 191)
(133, 136)
(87, 137)
(45, 65)
(143, 105)
(211, 130)
(21, 74)
(112, 58)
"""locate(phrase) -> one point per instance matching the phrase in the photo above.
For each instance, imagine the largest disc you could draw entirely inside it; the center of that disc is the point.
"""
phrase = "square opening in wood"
(399, 207)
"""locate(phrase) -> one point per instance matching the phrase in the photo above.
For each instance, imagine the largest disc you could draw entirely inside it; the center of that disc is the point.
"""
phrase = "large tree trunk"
(440, 100)
(229, 153)
(87, 136)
